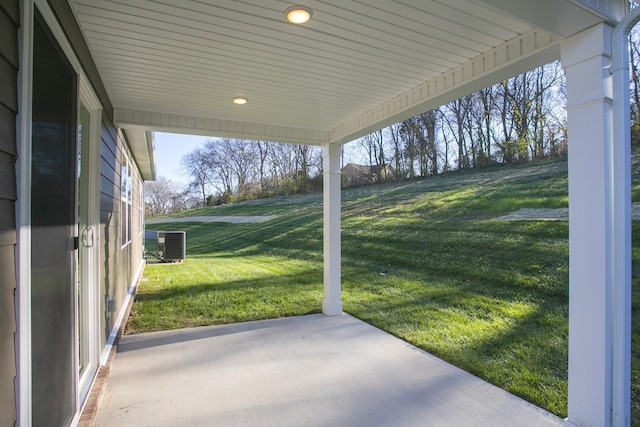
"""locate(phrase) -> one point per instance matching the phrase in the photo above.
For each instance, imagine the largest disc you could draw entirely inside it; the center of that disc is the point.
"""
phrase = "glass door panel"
(53, 232)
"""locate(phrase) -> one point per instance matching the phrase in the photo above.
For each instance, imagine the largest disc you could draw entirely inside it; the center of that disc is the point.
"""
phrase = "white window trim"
(126, 197)
(141, 206)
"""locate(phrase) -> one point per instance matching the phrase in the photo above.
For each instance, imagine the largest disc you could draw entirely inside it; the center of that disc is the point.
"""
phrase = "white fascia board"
(523, 53)
(143, 151)
(611, 10)
(562, 17)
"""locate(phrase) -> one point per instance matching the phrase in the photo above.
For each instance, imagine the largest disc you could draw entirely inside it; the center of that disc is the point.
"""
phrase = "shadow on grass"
(193, 290)
(473, 194)
(211, 240)
(170, 299)
(520, 260)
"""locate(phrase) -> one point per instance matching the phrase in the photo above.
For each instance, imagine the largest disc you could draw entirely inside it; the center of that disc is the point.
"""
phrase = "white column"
(586, 58)
(331, 305)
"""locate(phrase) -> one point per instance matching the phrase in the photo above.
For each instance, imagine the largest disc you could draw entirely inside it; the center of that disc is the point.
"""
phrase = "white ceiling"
(175, 65)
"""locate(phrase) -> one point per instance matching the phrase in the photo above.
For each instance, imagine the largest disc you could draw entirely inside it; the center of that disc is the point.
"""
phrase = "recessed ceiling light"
(298, 14)
(240, 100)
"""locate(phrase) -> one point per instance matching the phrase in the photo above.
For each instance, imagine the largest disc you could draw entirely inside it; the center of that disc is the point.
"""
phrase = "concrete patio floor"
(301, 371)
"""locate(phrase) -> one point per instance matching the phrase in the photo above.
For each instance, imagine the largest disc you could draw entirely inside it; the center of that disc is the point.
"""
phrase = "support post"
(594, 193)
(332, 178)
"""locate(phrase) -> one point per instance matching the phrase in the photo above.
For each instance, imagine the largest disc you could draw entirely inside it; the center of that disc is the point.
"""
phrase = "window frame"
(125, 200)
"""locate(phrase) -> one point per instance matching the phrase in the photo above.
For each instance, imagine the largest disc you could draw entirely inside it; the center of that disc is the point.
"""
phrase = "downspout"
(23, 385)
(620, 218)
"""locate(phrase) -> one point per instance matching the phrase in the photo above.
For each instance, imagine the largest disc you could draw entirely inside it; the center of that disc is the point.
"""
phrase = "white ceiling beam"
(173, 123)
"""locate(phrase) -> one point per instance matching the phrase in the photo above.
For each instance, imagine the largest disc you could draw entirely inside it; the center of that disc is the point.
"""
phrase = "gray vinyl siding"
(119, 263)
(110, 255)
(9, 19)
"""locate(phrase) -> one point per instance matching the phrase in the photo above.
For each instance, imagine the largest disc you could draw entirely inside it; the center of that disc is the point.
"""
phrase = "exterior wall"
(119, 263)
(109, 222)
(9, 19)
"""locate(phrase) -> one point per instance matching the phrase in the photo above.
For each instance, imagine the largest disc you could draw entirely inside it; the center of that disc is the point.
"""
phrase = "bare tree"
(397, 152)
(264, 149)
(409, 136)
(506, 145)
(428, 143)
(446, 165)
(456, 116)
(283, 163)
(374, 145)
(159, 196)
(186, 199)
(221, 174)
(529, 113)
(240, 158)
(483, 111)
(197, 165)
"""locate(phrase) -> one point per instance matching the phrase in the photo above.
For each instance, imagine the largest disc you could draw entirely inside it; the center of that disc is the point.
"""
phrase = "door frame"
(88, 97)
(89, 256)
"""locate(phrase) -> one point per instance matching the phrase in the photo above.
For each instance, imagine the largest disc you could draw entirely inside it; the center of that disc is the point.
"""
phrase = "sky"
(169, 150)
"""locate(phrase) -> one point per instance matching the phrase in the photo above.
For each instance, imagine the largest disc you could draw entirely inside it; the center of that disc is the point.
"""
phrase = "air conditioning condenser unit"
(172, 246)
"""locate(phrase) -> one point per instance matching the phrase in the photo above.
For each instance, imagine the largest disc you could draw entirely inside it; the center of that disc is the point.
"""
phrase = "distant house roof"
(364, 174)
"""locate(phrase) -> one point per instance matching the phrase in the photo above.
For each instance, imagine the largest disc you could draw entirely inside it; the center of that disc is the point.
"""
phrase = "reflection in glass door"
(53, 190)
(64, 337)
(84, 127)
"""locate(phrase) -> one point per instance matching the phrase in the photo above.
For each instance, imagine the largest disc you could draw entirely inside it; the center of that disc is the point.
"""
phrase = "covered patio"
(302, 371)
(359, 66)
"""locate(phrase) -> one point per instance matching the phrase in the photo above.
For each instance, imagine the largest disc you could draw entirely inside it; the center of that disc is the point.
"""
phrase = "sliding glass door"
(65, 297)
(53, 232)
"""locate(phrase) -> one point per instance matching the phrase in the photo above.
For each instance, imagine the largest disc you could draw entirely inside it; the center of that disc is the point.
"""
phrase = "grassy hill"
(424, 260)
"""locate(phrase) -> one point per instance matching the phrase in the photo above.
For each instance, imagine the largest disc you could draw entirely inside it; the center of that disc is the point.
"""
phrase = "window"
(141, 205)
(125, 199)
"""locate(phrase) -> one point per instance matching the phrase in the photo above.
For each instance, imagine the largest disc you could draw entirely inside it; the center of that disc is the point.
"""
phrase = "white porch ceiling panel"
(175, 65)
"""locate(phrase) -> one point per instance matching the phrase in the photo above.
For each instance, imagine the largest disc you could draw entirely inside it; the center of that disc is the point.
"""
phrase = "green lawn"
(423, 260)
